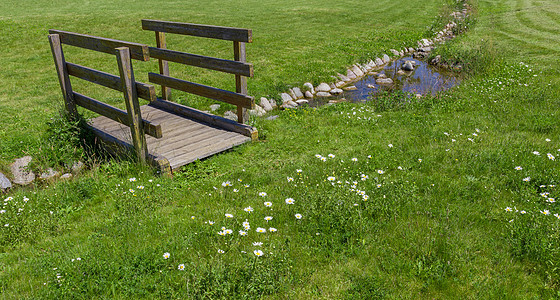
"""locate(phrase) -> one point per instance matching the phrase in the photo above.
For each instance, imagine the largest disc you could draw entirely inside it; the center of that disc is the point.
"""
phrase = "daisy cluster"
(11, 210)
(512, 75)
(545, 198)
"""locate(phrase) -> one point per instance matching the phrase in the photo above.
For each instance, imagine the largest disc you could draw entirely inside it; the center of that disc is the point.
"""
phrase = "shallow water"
(424, 79)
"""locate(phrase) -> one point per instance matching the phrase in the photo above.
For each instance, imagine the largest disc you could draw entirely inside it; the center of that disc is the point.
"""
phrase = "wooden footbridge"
(177, 134)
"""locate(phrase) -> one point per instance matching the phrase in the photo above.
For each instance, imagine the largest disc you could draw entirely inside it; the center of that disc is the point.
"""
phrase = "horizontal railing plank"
(137, 51)
(115, 114)
(224, 65)
(208, 31)
(203, 90)
(145, 91)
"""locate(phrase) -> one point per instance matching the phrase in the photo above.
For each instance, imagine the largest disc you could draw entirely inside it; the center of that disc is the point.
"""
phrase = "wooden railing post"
(63, 78)
(131, 101)
(240, 81)
(163, 65)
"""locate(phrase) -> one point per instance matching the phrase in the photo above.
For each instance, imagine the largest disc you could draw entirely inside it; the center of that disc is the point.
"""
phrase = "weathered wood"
(63, 78)
(208, 31)
(145, 91)
(211, 148)
(190, 138)
(137, 51)
(131, 101)
(115, 114)
(203, 90)
(207, 62)
(163, 64)
(207, 118)
(240, 81)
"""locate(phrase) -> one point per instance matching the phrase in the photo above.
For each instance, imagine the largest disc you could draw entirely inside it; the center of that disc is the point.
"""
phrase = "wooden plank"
(63, 78)
(132, 105)
(203, 90)
(207, 31)
(163, 65)
(137, 51)
(207, 118)
(211, 148)
(145, 91)
(207, 62)
(185, 139)
(194, 143)
(114, 113)
(240, 81)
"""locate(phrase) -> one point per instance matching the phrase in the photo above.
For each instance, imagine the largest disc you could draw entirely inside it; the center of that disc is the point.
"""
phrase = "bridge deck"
(184, 139)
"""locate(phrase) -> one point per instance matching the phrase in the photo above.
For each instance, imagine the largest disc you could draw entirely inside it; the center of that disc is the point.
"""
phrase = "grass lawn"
(449, 197)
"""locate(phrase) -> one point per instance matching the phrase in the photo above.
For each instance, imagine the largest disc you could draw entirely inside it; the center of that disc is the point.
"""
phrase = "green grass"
(434, 224)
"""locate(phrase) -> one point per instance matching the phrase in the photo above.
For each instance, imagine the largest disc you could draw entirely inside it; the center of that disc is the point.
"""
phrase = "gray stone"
(323, 87)
(298, 93)
(407, 66)
(272, 117)
(400, 72)
(66, 176)
(339, 84)
(385, 81)
(425, 49)
(308, 87)
(336, 91)
(265, 104)
(395, 52)
(48, 174)
(272, 103)
(436, 60)
(214, 107)
(289, 104)
(323, 94)
(357, 71)
(382, 75)
(292, 94)
(371, 64)
(4, 182)
(286, 97)
(379, 62)
(332, 85)
(386, 58)
(302, 101)
(350, 74)
(308, 95)
(402, 53)
(230, 115)
(371, 86)
(77, 167)
(343, 77)
(410, 49)
(350, 88)
(258, 111)
(20, 172)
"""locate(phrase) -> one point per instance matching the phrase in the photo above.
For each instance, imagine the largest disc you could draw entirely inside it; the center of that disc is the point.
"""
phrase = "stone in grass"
(77, 167)
(271, 118)
(308, 95)
(379, 62)
(230, 115)
(308, 87)
(66, 176)
(323, 94)
(371, 86)
(336, 91)
(302, 101)
(48, 174)
(286, 97)
(339, 84)
(401, 72)
(288, 104)
(323, 87)
(385, 81)
(357, 71)
(258, 111)
(297, 93)
(343, 77)
(272, 103)
(265, 104)
(4, 182)
(395, 52)
(350, 74)
(350, 88)
(214, 107)
(20, 172)
(386, 58)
